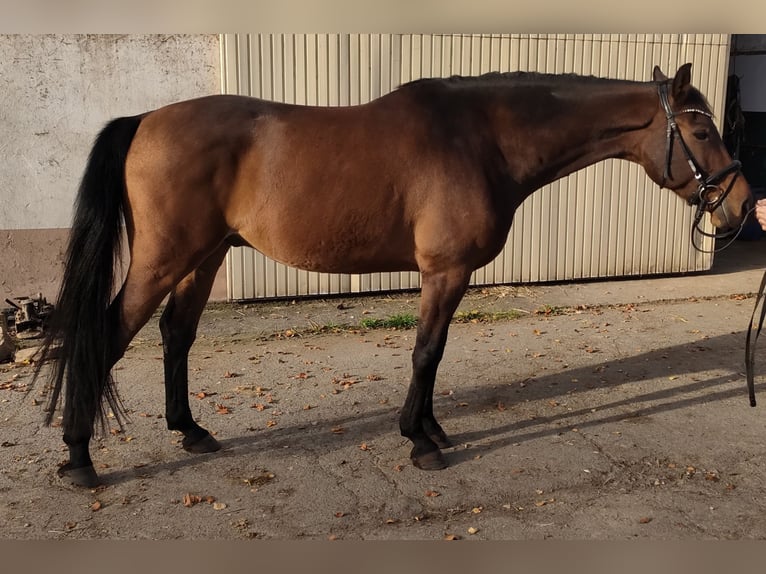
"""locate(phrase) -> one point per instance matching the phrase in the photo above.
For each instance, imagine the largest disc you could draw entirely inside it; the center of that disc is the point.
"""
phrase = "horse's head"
(689, 157)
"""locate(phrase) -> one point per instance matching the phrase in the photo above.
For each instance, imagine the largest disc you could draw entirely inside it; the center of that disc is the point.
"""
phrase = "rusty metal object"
(27, 317)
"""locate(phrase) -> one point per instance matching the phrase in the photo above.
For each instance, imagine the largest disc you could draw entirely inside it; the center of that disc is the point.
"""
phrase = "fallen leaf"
(432, 493)
(96, 506)
(451, 537)
(257, 481)
(271, 423)
(477, 509)
(364, 446)
(219, 505)
(340, 514)
(338, 430)
(472, 530)
(222, 410)
(645, 520)
(190, 500)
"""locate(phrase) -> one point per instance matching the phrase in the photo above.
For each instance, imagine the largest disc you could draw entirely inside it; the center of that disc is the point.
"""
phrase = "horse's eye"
(701, 135)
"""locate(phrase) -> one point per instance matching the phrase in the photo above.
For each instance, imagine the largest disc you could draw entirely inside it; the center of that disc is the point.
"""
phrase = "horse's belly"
(335, 249)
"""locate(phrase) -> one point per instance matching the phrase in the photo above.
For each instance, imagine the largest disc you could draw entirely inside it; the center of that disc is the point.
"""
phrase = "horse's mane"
(507, 79)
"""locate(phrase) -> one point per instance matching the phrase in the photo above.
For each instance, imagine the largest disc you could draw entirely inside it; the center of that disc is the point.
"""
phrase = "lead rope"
(751, 341)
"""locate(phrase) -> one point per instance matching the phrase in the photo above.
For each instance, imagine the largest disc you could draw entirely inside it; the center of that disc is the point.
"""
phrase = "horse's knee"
(426, 358)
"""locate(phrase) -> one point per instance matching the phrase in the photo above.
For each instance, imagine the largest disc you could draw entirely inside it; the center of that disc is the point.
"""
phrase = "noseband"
(709, 195)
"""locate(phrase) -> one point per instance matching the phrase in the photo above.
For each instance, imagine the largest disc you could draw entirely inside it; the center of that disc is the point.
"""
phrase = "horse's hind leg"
(141, 293)
(178, 326)
(440, 295)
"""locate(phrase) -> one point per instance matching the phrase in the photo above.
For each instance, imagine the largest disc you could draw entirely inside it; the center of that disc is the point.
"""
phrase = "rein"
(750, 341)
(707, 185)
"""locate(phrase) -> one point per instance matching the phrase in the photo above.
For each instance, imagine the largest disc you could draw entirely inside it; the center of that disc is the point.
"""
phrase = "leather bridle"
(709, 195)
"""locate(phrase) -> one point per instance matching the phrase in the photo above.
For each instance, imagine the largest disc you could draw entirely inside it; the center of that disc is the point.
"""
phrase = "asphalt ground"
(602, 410)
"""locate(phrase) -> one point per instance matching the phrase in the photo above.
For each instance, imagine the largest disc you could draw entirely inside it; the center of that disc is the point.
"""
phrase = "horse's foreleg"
(178, 326)
(440, 295)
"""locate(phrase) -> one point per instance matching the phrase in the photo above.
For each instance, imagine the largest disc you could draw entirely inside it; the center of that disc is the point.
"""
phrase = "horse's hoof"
(432, 460)
(84, 476)
(205, 444)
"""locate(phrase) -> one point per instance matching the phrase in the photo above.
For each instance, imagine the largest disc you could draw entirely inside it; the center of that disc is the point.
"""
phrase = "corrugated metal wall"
(607, 220)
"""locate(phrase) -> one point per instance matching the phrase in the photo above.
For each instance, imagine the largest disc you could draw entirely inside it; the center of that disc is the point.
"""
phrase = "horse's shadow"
(382, 421)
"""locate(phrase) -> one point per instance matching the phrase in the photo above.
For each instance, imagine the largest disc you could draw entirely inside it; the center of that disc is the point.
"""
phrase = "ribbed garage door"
(608, 220)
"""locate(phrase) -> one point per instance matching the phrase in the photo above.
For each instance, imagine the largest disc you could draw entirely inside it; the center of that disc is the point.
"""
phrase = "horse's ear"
(658, 75)
(682, 81)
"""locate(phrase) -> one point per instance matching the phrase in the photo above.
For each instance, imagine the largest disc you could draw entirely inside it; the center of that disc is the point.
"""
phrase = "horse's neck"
(577, 128)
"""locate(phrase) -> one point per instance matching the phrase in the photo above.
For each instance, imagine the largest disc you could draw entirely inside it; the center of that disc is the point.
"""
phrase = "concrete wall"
(56, 92)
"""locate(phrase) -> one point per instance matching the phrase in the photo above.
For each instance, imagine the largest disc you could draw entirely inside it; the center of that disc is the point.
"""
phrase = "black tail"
(77, 342)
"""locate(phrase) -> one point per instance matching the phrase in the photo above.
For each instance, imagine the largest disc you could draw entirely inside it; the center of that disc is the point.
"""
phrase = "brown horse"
(426, 178)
